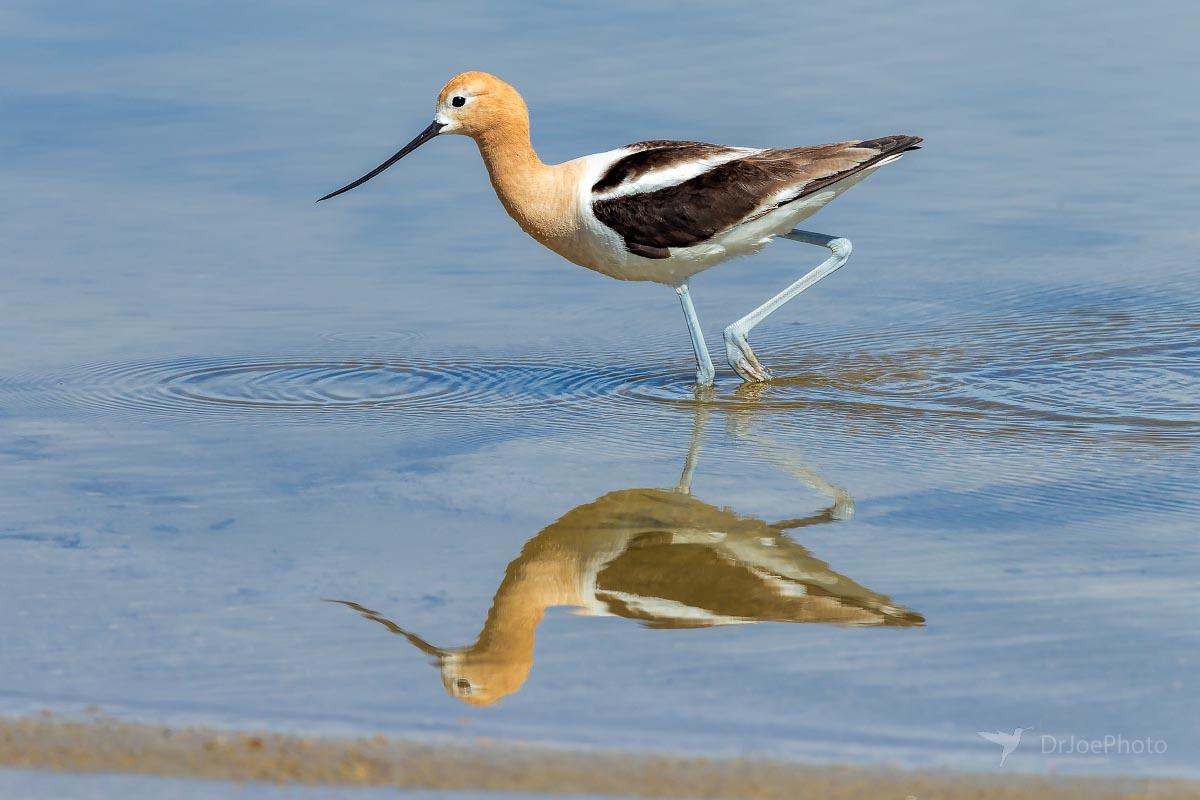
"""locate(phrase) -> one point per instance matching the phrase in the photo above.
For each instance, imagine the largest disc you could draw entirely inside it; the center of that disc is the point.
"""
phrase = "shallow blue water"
(221, 403)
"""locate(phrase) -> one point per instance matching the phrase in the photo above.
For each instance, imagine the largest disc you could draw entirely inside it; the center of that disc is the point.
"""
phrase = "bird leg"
(737, 347)
(704, 365)
(689, 463)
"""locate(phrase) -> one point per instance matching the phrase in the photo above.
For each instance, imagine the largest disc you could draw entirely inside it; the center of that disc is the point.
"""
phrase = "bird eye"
(458, 101)
(463, 685)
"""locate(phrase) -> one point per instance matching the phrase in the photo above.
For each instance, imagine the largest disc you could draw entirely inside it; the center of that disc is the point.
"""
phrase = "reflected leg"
(689, 462)
(742, 424)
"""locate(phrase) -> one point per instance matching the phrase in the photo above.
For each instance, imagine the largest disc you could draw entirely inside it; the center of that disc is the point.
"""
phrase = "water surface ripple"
(1102, 368)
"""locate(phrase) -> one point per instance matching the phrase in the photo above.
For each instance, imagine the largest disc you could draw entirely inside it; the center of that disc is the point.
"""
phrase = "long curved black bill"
(416, 641)
(424, 136)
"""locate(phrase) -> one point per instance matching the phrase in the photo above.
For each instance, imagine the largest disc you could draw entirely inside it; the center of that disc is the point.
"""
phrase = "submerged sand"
(106, 745)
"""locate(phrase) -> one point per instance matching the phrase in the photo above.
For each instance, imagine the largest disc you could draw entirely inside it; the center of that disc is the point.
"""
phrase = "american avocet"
(658, 211)
(666, 559)
(662, 558)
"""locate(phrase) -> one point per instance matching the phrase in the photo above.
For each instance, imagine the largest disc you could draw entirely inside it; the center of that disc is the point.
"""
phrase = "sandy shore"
(106, 745)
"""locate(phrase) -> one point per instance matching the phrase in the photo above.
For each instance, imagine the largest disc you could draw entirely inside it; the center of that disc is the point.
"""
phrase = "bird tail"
(894, 144)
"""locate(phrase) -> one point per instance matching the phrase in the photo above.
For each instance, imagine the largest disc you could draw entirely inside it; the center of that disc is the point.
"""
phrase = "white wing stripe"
(675, 174)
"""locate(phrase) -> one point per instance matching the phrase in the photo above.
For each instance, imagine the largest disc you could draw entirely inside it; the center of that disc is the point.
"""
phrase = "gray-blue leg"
(704, 365)
(689, 462)
(737, 347)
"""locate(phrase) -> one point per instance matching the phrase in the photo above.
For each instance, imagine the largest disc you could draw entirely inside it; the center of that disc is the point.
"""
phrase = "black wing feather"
(695, 210)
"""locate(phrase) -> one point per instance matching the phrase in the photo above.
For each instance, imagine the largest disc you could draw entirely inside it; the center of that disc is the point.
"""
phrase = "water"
(969, 503)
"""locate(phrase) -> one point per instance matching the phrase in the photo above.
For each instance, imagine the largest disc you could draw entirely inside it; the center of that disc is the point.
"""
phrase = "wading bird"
(666, 559)
(658, 211)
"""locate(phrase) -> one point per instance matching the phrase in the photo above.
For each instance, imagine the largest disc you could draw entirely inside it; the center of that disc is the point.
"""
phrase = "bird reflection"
(664, 558)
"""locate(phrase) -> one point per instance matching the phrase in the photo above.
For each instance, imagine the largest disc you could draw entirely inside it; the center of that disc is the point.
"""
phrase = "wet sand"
(107, 745)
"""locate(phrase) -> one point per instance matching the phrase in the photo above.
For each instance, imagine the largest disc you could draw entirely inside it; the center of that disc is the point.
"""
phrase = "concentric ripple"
(334, 385)
(1101, 364)
(372, 336)
(854, 379)
(1068, 362)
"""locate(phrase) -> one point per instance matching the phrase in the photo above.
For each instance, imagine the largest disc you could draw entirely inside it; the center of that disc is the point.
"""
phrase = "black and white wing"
(668, 194)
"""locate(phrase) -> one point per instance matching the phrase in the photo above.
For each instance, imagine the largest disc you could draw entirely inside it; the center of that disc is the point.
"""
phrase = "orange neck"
(540, 197)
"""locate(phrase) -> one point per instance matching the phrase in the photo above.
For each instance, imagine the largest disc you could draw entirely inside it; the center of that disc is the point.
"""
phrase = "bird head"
(473, 104)
(480, 678)
(476, 103)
